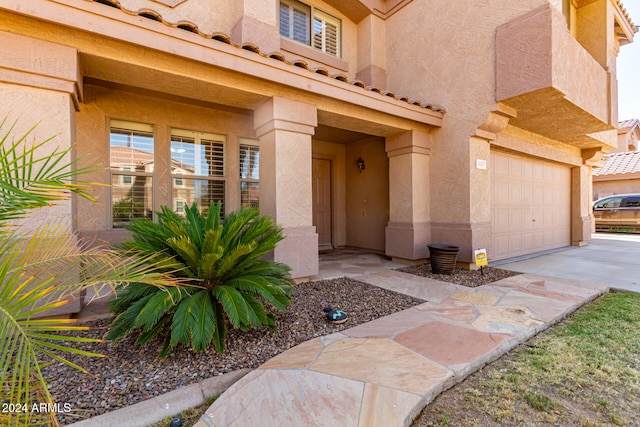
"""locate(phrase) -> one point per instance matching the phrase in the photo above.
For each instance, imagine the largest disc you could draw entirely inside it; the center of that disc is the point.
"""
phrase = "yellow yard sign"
(481, 257)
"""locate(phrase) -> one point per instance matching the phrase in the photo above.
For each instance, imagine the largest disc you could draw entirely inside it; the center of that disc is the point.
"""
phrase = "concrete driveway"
(609, 258)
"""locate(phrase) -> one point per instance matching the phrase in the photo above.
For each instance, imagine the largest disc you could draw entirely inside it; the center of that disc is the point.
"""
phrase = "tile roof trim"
(634, 27)
(619, 164)
(279, 56)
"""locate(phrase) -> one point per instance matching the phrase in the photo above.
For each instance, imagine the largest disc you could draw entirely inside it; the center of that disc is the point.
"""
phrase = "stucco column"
(39, 86)
(285, 128)
(408, 231)
(581, 214)
(371, 51)
(258, 25)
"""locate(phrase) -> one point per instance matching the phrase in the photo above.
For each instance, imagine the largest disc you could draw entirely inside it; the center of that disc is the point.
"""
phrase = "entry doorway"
(321, 179)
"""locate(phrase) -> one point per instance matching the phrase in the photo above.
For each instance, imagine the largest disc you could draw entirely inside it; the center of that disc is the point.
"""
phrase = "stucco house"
(620, 171)
(377, 124)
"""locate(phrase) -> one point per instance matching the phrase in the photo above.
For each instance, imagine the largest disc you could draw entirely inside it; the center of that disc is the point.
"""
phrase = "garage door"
(530, 205)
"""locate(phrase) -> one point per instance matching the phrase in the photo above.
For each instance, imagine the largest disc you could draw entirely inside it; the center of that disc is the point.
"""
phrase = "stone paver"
(384, 372)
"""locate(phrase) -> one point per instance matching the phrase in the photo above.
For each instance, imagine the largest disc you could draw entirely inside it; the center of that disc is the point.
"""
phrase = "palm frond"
(187, 251)
(235, 306)
(204, 323)
(276, 296)
(28, 182)
(157, 306)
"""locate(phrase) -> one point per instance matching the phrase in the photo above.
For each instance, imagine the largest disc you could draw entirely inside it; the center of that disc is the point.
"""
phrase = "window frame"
(634, 199)
(599, 206)
(248, 142)
(119, 172)
(179, 179)
(314, 13)
(126, 178)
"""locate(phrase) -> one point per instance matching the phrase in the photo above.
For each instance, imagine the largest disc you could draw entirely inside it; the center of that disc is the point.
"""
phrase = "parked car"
(620, 212)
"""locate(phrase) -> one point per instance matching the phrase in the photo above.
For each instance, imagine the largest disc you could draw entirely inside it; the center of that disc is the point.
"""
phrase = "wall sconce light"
(360, 163)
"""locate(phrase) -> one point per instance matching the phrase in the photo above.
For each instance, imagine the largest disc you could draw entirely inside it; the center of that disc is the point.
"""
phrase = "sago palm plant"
(228, 279)
(42, 270)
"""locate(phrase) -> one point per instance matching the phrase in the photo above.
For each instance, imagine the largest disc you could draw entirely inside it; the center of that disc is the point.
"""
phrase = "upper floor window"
(310, 26)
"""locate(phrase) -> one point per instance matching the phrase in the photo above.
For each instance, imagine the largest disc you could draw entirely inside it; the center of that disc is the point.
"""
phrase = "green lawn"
(585, 371)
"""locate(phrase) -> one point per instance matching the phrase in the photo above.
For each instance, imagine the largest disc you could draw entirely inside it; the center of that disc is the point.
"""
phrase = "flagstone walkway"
(383, 373)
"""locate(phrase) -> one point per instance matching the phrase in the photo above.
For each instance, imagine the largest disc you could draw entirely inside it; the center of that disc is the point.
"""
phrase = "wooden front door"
(321, 177)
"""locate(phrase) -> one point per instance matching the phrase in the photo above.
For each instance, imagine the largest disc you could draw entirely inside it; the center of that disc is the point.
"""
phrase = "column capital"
(285, 114)
(413, 141)
(26, 61)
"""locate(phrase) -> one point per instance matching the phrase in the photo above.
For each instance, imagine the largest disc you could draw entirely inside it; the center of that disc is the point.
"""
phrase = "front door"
(322, 201)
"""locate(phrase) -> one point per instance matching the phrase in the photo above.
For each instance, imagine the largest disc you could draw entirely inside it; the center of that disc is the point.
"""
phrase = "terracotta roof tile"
(619, 163)
(626, 15)
(224, 38)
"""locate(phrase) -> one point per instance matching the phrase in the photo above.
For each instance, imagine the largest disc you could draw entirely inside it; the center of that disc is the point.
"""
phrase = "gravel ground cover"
(460, 276)
(130, 373)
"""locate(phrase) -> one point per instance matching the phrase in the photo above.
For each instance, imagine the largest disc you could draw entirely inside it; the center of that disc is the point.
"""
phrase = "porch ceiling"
(226, 90)
(341, 136)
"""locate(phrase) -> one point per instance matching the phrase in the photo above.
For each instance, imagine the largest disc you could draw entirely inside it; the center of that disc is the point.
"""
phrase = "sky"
(629, 69)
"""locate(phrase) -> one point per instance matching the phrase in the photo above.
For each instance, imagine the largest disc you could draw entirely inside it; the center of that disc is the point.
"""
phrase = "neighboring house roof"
(619, 163)
(631, 124)
(224, 38)
(126, 155)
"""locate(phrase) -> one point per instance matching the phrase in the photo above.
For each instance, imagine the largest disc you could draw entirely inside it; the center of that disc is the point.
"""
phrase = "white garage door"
(530, 205)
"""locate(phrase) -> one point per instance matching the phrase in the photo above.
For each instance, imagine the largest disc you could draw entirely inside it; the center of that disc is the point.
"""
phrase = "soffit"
(358, 10)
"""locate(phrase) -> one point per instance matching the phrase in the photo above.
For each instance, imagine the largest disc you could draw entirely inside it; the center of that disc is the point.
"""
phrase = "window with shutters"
(311, 26)
(249, 173)
(131, 157)
(197, 168)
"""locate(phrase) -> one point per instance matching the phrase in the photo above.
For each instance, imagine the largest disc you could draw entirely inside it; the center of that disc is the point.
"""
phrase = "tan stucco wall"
(367, 196)
(210, 17)
(102, 104)
(442, 52)
(536, 59)
(456, 68)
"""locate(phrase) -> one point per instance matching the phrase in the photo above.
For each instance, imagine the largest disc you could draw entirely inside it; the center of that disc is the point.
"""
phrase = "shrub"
(228, 282)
